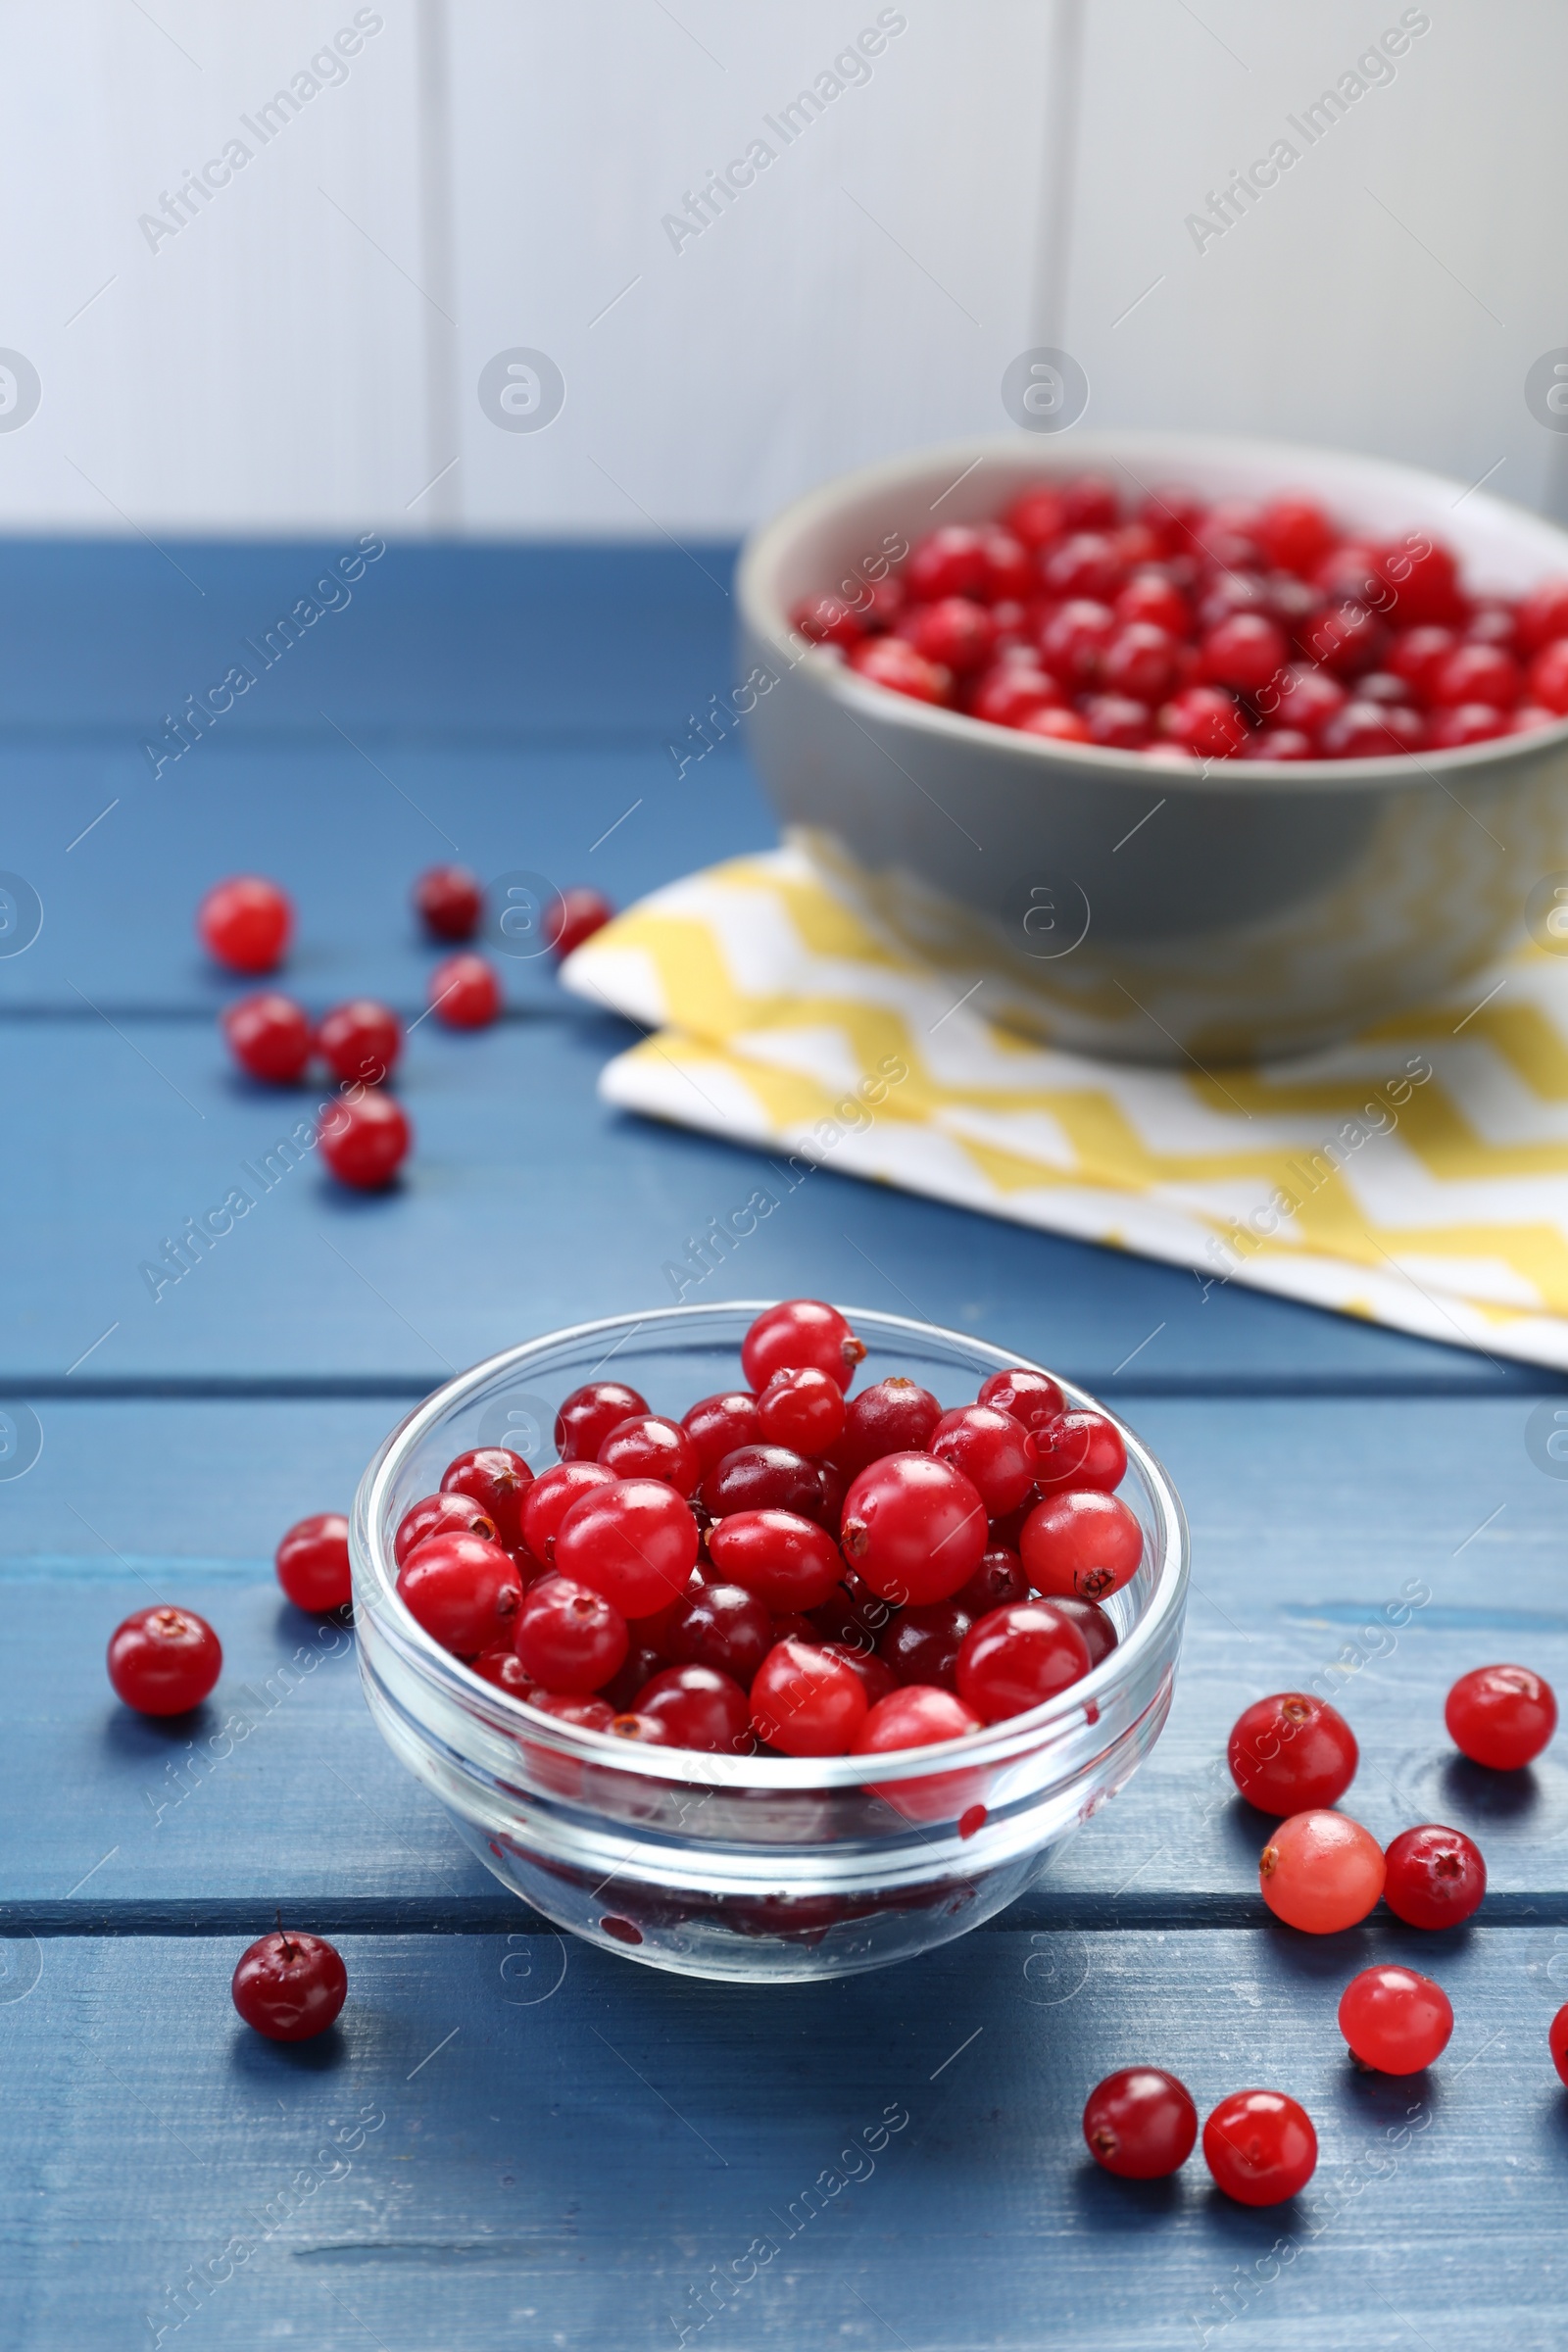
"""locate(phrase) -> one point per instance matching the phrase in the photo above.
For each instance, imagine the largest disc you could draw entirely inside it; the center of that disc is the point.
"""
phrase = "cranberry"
(269, 1036)
(1424, 579)
(1557, 2041)
(1344, 638)
(723, 1626)
(1260, 2147)
(1079, 1449)
(1086, 565)
(1395, 2020)
(588, 1714)
(569, 1637)
(1304, 696)
(1175, 513)
(1294, 533)
(1543, 615)
(1476, 674)
(579, 913)
(949, 561)
(1139, 661)
(851, 1614)
(1013, 692)
(1417, 655)
(877, 1678)
(1116, 721)
(1029, 1396)
(801, 1331)
(954, 633)
(455, 1514)
(915, 1716)
(923, 1644)
(635, 1541)
(359, 1040)
(1037, 517)
(891, 662)
(999, 1580)
(1493, 624)
(700, 1707)
(1081, 1542)
(1056, 727)
(913, 1528)
(643, 1661)
(1017, 1659)
(312, 1562)
(245, 923)
(1527, 716)
(366, 1143)
(1469, 723)
(1321, 1872)
(992, 1449)
(1291, 1754)
(1205, 722)
(1075, 639)
(551, 1497)
(464, 1591)
(787, 1561)
(164, 1661)
(895, 1416)
(1549, 676)
(1098, 1629)
(1348, 573)
(1435, 1877)
(654, 1628)
(802, 1409)
(647, 1731)
(498, 1481)
(828, 620)
(647, 1446)
(807, 1702)
(1501, 1716)
(464, 992)
(722, 1425)
(764, 1478)
(289, 1985)
(1010, 571)
(589, 1414)
(1278, 743)
(1244, 652)
(507, 1671)
(1141, 2123)
(448, 902)
(1364, 730)
(1090, 503)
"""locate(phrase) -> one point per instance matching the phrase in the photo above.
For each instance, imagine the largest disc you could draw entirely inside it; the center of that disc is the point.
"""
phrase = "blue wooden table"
(510, 2139)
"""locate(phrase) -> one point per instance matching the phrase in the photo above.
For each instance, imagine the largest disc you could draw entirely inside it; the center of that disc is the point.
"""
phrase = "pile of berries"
(787, 1569)
(1192, 630)
(246, 924)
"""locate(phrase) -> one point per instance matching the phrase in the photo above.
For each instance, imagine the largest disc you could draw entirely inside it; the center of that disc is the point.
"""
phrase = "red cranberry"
(1116, 721)
(1244, 652)
(581, 913)
(1395, 2020)
(1013, 692)
(464, 1592)
(949, 561)
(1175, 513)
(1205, 722)
(828, 620)
(764, 1478)
(1477, 673)
(246, 923)
(802, 1409)
(1139, 661)
(1549, 676)
(1291, 1754)
(1056, 727)
(1417, 655)
(787, 1561)
(164, 1661)
(1151, 599)
(464, 992)
(359, 1040)
(1086, 565)
(992, 1449)
(643, 1661)
(851, 1614)
(647, 1445)
(1075, 639)
(1500, 1716)
(1017, 1659)
(1029, 1396)
(1543, 615)
(1557, 2041)
(589, 1414)
(999, 1580)
(1079, 1449)
(1348, 573)
(569, 1637)
(366, 1143)
(455, 1514)
(588, 1714)
(635, 1541)
(913, 1528)
(1278, 743)
(1260, 2147)
(448, 902)
(1321, 1872)
(891, 662)
(290, 1986)
(700, 1707)
(1344, 638)
(1037, 516)
(954, 633)
(1141, 2123)
(1469, 723)
(1090, 503)
(807, 1702)
(269, 1036)
(915, 1716)
(1081, 1542)
(1493, 624)
(312, 1562)
(1098, 1629)
(1424, 579)
(498, 1481)
(507, 1671)
(645, 1730)
(801, 1331)
(894, 1416)
(921, 1646)
(877, 1679)
(1304, 696)
(1294, 533)
(722, 1425)
(1435, 1877)
(723, 1626)
(551, 1497)
(1364, 730)
(1009, 566)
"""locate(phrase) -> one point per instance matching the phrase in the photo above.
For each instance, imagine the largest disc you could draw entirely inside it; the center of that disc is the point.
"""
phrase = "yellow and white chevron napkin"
(1416, 1176)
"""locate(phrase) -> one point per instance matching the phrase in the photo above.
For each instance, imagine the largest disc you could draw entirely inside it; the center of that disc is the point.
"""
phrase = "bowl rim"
(1071, 452)
(994, 1746)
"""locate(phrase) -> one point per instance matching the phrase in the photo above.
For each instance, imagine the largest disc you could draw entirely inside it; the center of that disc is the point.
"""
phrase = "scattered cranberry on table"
(312, 1563)
(1291, 1754)
(1260, 2147)
(1141, 2123)
(448, 902)
(365, 1142)
(246, 923)
(582, 912)
(1435, 1877)
(464, 992)
(270, 1037)
(1557, 2041)
(1321, 1870)
(290, 1986)
(1396, 2020)
(1204, 630)
(164, 1661)
(360, 1040)
(1500, 1716)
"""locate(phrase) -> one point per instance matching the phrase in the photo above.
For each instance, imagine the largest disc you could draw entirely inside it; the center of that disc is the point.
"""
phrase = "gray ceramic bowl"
(1124, 907)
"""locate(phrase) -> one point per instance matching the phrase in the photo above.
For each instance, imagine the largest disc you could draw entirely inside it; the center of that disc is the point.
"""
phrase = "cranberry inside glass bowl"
(746, 1867)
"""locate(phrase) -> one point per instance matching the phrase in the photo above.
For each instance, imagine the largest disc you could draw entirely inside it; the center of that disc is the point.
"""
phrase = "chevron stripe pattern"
(1414, 1175)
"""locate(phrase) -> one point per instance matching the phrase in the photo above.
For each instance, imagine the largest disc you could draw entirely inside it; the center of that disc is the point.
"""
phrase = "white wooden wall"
(494, 174)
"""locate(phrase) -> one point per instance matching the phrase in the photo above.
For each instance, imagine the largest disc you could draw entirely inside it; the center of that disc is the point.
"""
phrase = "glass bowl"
(746, 1867)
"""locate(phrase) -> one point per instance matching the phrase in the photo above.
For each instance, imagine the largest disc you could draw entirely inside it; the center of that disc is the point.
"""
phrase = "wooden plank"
(510, 2139)
(1312, 1521)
